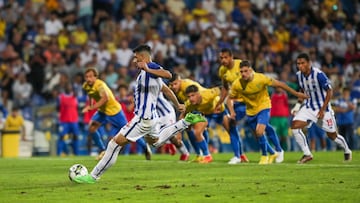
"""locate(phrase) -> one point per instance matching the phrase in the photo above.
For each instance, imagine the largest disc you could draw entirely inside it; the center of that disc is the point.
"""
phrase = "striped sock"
(301, 140)
(340, 140)
(108, 160)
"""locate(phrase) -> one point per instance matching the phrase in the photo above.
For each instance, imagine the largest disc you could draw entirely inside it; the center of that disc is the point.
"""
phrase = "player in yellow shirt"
(198, 133)
(205, 102)
(252, 87)
(108, 110)
(228, 72)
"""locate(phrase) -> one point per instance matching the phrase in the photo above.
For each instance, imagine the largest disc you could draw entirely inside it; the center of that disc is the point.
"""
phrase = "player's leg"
(258, 123)
(75, 141)
(240, 110)
(61, 145)
(180, 146)
(235, 141)
(270, 132)
(170, 131)
(96, 122)
(329, 125)
(297, 124)
(192, 139)
(135, 129)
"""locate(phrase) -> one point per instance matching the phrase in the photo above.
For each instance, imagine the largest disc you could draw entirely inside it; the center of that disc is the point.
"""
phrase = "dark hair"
(174, 77)
(125, 86)
(303, 56)
(346, 89)
(191, 89)
(245, 63)
(226, 50)
(141, 48)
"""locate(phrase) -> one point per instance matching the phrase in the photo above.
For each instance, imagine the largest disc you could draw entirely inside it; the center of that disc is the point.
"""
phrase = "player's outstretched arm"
(170, 95)
(284, 86)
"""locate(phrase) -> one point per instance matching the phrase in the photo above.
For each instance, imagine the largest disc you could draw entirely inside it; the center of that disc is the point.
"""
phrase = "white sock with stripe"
(109, 159)
(340, 140)
(301, 140)
(170, 131)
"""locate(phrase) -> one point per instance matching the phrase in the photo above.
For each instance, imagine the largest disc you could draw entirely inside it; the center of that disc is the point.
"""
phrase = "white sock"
(111, 154)
(341, 141)
(170, 131)
(183, 149)
(301, 140)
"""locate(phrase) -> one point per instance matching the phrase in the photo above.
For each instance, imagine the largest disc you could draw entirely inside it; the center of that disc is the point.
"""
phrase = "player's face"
(90, 78)
(194, 98)
(303, 66)
(246, 72)
(138, 57)
(225, 59)
(175, 86)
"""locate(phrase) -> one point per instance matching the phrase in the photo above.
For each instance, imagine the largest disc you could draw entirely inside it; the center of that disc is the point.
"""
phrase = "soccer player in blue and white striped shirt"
(316, 109)
(145, 122)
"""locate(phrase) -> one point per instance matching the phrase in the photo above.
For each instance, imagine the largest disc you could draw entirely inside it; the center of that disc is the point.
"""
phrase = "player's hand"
(320, 114)
(232, 116)
(217, 108)
(181, 108)
(142, 65)
(295, 109)
(85, 109)
(302, 95)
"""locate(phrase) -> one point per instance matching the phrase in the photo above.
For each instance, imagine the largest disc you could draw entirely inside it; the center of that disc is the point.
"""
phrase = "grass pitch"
(165, 179)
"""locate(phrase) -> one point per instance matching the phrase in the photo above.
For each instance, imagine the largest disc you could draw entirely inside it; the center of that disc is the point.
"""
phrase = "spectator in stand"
(15, 122)
(22, 92)
(53, 25)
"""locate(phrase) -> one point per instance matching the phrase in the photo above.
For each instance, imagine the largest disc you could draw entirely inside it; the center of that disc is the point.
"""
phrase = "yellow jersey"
(209, 99)
(254, 93)
(112, 106)
(229, 75)
(184, 84)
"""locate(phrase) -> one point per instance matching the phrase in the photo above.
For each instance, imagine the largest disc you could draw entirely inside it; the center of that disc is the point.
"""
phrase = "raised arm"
(284, 86)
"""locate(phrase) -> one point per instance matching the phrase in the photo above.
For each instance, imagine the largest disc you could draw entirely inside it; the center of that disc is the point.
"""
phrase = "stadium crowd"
(45, 44)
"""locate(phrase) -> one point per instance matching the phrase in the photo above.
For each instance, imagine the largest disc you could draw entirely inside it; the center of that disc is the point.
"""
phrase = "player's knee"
(121, 140)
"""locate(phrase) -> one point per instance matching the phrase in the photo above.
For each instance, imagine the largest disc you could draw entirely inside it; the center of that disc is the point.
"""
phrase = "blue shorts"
(66, 128)
(240, 110)
(217, 117)
(263, 117)
(117, 121)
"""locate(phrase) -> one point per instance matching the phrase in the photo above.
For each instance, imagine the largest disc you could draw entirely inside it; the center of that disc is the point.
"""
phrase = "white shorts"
(138, 127)
(169, 119)
(328, 123)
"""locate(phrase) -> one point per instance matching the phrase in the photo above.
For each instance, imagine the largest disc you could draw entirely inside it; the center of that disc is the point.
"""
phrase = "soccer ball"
(77, 170)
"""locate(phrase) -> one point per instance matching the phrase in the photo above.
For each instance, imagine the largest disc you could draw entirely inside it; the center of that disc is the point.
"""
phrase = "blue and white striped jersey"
(164, 107)
(146, 93)
(315, 86)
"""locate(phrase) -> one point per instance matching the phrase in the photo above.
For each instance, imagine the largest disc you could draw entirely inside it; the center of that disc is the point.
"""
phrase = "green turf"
(164, 179)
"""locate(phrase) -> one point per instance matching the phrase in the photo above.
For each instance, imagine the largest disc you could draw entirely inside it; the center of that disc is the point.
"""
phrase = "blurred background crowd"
(44, 44)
